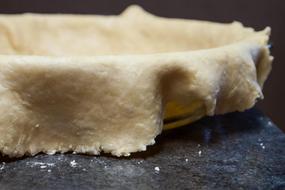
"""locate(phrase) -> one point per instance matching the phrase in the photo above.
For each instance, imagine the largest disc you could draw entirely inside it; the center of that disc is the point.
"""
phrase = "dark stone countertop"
(234, 151)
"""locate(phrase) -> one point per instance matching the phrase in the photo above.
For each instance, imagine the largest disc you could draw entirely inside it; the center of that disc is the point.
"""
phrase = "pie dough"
(94, 84)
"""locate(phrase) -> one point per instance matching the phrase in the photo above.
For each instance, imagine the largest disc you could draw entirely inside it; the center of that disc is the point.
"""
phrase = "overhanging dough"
(104, 83)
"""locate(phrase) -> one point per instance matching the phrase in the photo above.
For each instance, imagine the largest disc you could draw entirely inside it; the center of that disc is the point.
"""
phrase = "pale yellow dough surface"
(95, 84)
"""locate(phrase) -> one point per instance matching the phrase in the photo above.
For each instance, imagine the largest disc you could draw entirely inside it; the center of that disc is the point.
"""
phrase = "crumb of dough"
(157, 169)
(73, 163)
(200, 153)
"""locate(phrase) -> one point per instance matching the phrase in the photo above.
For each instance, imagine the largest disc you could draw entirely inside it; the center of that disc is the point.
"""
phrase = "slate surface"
(234, 151)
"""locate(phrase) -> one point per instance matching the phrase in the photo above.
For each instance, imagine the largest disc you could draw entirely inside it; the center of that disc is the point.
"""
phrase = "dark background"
(254, 13)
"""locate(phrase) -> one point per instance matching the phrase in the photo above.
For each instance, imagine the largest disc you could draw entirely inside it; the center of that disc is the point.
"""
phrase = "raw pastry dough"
(104, 83)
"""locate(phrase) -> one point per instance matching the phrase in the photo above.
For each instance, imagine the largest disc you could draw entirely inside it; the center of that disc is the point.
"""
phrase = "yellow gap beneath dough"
(177, 115)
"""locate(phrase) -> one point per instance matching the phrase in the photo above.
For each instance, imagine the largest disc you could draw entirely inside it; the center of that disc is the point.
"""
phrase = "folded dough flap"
(116, 103)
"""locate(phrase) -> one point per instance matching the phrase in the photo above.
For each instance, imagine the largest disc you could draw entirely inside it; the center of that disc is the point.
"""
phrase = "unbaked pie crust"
(94, 84)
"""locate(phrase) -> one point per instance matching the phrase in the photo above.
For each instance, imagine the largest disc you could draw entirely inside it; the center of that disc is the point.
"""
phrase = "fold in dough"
(104, 83)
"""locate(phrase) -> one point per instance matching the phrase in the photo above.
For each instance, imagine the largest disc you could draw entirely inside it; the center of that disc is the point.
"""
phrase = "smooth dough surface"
(104, 83)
